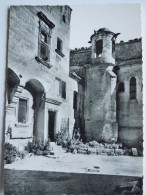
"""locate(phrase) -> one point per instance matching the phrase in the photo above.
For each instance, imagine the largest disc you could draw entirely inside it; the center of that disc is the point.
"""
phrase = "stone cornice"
(45, 19)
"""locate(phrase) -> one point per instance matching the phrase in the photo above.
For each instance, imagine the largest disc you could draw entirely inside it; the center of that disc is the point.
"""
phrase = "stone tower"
(100, 88)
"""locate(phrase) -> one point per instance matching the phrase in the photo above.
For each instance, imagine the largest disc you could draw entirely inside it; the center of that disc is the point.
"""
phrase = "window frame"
(121, 87)
(64, 18)
(45, 26)
(61, 83)
(59, 45)
(75, 100)
(132, 88)
(63, 89)
(27, 110)
(97, 47)
(59, 51)
(47, 44)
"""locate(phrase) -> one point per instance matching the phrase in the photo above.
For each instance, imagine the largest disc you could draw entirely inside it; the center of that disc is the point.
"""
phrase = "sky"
(119, 18)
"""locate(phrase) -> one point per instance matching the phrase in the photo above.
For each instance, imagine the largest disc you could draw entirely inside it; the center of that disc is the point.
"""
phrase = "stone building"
(111, 88)
(39, 89)
(49, 88)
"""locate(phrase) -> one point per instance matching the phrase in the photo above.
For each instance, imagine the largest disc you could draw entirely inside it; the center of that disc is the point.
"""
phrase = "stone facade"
(40, 82)
(129, 59)
(49, 88)
(109, 111)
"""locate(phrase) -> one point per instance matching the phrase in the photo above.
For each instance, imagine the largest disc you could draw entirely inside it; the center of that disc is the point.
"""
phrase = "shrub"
(22, 154)
(10, 153)
(63, 138)
(39, 147)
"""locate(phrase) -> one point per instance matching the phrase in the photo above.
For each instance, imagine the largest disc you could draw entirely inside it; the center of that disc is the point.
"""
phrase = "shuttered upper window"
(63, 89)
(44, 39)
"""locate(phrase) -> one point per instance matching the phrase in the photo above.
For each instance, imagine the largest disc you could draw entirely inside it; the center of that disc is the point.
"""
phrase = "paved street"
(52, 183)
(81, 163)
(67, 173)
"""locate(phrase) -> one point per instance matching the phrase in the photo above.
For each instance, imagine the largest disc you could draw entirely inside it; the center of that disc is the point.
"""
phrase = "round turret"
(103, 46)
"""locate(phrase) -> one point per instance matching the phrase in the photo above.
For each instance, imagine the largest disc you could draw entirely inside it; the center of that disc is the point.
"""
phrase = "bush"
(63, 138)
(10, 153)
(39, 147)
(22, 154)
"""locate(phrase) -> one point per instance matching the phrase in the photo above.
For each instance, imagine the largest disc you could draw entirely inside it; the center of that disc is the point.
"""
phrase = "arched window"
(133, 88)
(121, 87)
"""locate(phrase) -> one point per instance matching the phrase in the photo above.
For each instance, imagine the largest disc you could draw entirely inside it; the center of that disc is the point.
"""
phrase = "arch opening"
(12, 84)
(37, 91)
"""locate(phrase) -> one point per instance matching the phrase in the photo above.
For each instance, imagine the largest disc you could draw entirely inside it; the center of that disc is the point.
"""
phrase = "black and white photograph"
(73, 117)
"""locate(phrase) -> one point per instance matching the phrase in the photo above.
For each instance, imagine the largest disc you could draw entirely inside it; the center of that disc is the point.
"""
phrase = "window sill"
(60, 53)
(21, 125)
(40, 60)
(134, 101)
(21, 137)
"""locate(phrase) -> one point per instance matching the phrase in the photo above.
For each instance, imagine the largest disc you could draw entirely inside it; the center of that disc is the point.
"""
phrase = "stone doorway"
(51, 125)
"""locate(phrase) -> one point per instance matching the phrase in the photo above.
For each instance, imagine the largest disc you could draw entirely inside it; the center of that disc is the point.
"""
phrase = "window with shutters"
(133, 88)
(63, 87)
(99, 46)
(22, 111)
(75, 100)
(45, 46)
(59, 48)
(44, 39)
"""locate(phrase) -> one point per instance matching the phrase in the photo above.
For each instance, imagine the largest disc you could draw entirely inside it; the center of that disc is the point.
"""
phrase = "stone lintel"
(52, 101)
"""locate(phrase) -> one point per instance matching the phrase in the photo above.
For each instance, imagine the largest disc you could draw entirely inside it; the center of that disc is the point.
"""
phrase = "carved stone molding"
(45, 19)
(52, 101)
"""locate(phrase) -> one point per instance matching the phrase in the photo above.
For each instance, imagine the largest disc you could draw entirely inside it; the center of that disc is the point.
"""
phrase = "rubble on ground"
(93, 147)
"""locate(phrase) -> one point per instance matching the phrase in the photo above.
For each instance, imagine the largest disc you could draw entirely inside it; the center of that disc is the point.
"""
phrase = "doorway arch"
(37, 91)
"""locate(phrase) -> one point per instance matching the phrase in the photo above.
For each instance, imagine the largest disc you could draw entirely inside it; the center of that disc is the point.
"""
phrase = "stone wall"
(128, 50)
(130, 110)
(100, 104)
(79, 57)
(22, 53)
